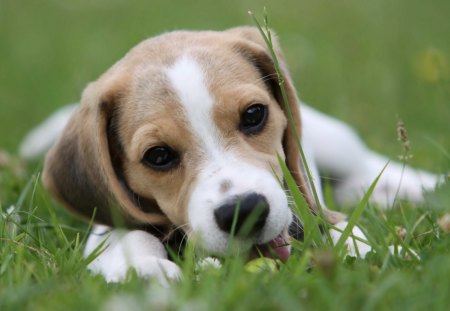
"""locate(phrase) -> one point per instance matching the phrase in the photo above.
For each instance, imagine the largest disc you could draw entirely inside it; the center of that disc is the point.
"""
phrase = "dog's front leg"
(123, 249)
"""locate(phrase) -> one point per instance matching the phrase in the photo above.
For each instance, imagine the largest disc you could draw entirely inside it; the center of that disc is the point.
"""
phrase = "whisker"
(184, 236)
(176, 228)
(183, 239)
(267, 77)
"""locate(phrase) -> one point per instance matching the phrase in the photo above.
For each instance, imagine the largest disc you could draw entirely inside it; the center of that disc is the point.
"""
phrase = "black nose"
(248, 212)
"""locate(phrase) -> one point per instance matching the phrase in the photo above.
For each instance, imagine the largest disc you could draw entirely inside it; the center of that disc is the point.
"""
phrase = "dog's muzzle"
(245, 216)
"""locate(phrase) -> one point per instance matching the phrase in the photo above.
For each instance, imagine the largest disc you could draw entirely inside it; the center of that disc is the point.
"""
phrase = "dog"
(185, 132)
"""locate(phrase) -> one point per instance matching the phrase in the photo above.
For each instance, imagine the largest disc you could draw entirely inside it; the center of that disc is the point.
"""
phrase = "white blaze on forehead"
(187, 79)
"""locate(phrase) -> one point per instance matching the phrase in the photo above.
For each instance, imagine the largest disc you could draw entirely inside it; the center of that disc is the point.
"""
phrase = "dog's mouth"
(278, 248)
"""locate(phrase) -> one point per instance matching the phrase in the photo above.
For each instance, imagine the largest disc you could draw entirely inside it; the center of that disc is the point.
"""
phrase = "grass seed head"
(5, 159)
(402, 136)
(401, 232)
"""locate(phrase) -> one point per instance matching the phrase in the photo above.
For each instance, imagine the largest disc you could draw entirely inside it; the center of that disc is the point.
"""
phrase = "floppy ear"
(254, 48)
(82, 170)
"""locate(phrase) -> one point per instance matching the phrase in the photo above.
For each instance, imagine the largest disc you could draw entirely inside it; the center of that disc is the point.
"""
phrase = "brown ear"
(255, 49)
(81, 168)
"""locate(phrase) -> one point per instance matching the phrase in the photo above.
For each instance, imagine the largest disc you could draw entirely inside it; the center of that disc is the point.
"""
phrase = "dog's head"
(184, 130)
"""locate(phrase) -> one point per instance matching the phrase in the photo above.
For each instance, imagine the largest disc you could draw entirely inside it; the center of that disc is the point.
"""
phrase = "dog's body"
(184, 132)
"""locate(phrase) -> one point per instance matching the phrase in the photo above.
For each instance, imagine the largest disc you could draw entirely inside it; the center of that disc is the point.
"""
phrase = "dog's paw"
(163, 270)
(407, 184)
(123, 250)
(396, 182)
(355, 247)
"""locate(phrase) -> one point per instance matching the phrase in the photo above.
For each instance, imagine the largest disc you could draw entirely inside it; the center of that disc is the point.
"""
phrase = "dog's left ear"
(83, 169)
(251, 45)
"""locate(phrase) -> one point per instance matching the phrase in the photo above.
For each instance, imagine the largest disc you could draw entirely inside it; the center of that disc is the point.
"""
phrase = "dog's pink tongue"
(278, 248)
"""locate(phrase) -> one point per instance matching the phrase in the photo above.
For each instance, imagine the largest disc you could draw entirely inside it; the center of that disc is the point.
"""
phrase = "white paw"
(397, 250)
(124, 250)
(162, 270)
(396, 182)
(354, 247)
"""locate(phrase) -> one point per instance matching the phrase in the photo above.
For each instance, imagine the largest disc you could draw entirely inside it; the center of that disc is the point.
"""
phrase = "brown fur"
(97, 162)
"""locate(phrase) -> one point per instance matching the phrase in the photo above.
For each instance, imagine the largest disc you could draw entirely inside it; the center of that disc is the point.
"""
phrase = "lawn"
(369, 63)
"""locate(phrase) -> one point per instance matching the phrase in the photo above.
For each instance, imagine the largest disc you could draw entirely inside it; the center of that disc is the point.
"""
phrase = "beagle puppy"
(184, 133)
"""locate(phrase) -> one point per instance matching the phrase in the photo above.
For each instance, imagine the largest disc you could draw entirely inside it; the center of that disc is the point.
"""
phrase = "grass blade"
(356, 214)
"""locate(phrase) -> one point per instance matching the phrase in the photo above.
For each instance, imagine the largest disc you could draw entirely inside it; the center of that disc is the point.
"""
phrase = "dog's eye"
(161, 158)
(253, 119)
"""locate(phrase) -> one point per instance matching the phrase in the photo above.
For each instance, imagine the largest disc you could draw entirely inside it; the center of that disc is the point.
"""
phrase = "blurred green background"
(365, 62)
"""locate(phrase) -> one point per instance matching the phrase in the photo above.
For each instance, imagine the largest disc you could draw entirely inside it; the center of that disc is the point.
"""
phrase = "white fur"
(124, 249)
(40, 139)
(342, 156)
(354, 247)
(187, 79)
(332, 148)
(219, 165)
(244, 179)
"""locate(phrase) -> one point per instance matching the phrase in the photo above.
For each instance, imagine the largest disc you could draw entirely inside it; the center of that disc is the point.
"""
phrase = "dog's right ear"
(252, 45)
(81, 170)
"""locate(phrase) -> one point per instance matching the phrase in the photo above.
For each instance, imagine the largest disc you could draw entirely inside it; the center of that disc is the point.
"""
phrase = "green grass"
(367, 63)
